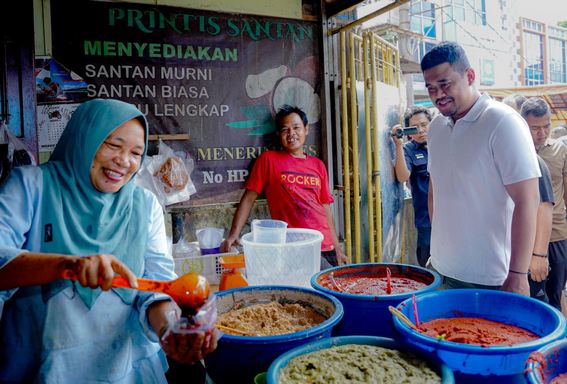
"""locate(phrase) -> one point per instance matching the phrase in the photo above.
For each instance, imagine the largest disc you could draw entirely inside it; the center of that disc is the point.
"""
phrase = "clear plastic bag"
(209, 239)
(203, 321)
(185, 248)
(168, 175)
(13, 152)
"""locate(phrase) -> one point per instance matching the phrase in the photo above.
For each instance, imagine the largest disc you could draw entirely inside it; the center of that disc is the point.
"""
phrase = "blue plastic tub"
(240, 358)
(471, 363)
(282, 361)
(547, 363)
(366, 314)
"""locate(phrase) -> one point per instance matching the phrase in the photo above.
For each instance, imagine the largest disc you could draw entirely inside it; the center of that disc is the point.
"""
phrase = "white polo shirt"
(470, 163)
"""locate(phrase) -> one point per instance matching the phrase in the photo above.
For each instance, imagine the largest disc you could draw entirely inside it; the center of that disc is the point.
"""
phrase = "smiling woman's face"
(118, 157)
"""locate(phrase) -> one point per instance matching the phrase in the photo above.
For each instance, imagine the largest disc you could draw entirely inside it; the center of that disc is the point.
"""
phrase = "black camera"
(400, 132)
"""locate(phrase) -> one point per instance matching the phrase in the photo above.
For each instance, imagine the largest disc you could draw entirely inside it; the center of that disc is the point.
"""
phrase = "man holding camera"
(411, 163)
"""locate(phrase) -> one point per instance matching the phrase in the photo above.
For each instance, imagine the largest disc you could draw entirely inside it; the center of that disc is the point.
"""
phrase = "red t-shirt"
(296, 190)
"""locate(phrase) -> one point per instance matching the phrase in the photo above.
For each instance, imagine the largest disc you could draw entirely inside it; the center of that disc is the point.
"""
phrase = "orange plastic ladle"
(188, 291)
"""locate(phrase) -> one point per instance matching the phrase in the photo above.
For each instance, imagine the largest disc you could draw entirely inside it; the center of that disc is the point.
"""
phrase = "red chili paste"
(374, 285)
(561, 379)
(474, 330)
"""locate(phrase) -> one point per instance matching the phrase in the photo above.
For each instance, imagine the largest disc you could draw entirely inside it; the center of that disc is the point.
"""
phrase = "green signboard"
(212, 80)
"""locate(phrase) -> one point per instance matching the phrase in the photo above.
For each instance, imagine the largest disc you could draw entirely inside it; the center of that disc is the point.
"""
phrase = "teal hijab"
(77, 219)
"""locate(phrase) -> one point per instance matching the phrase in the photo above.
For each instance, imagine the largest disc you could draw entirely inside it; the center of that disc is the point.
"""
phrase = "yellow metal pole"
(396, 67)
(345, 85)
(354, 133)
(375, 144)
(386, 66)
(395, 62)
(368, 127)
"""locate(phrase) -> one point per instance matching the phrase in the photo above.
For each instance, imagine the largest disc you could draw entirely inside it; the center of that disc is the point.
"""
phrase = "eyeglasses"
(535, 128)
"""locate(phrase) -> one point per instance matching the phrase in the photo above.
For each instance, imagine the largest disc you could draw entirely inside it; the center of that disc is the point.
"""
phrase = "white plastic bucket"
(291, 263)
(269, 231)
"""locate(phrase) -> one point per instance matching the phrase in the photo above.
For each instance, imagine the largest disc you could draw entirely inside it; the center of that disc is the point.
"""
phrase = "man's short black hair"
(288, 110)
(446, 52)
(416, 109)
(535, 106)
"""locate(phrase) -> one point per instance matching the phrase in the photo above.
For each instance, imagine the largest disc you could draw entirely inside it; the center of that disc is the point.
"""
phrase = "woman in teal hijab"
(83, 212)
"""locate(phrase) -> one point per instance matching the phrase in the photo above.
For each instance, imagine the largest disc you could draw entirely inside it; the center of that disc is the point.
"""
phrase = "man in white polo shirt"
(483, 192)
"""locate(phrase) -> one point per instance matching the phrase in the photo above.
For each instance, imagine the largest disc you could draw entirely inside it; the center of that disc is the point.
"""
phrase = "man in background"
(515, 101)
(411, 163)
(539, 264)
(537, 114)
(560, 132)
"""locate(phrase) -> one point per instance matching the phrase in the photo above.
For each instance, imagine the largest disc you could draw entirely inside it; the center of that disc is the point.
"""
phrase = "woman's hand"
(31, 268)
(184, 348)
(189, 348)
(98, 270)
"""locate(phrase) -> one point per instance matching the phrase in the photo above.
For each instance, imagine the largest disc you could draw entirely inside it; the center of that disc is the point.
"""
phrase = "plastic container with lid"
(290, 263)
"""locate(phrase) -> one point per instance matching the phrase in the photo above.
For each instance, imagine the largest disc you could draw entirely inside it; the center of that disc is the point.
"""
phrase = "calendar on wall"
(51, 120)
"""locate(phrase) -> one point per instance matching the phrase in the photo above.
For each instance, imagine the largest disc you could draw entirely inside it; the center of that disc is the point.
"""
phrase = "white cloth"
(61, 341)
(470, 164)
